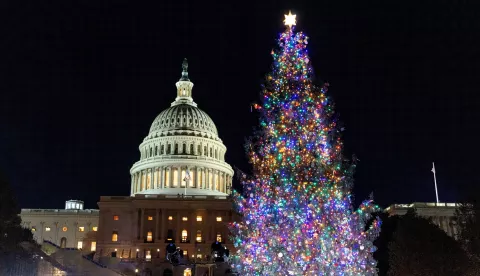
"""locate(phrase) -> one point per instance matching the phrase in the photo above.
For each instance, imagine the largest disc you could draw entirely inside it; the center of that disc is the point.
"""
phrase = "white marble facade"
(441, 214)
(72, 227)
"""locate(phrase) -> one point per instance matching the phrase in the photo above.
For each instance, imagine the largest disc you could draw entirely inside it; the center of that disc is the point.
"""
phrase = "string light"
(297, 213)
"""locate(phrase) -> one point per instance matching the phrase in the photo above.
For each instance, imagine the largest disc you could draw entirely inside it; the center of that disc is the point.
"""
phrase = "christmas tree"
(296, 212)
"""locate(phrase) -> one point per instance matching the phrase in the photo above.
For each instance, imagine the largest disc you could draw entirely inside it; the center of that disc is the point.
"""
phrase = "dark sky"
(81, 82)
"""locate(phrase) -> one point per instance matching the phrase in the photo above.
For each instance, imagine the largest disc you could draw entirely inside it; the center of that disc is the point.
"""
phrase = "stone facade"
(442, 214)
(141, 227)
(72, 227)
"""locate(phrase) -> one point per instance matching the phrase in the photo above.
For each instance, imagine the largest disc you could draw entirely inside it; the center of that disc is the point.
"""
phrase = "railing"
(58, 247)
(141, 196)
(86, 211)
(422, 204)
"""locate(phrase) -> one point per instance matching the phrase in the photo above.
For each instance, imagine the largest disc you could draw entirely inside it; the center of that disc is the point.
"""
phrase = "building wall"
(54, 224)
(441, 214)
(139, 215)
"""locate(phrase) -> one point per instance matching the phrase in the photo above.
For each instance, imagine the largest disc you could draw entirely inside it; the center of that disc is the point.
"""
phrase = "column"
(137, 181)
(178, 230)
(152, 178)
(193, 230)
(171, 176)
(156, 223)
(197, 182)
(142, 232)
(207, 178)
(162, 226)
(162, 178)
(132, 183)
(135, 225)
(179, 176)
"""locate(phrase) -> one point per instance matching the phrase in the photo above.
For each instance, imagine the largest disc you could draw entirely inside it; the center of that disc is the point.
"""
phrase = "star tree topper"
(290, 19)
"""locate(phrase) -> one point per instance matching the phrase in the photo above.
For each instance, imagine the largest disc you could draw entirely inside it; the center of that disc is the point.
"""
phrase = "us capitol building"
(179, 191)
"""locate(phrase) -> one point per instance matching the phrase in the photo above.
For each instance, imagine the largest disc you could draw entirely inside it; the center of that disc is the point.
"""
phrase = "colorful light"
(297, 214)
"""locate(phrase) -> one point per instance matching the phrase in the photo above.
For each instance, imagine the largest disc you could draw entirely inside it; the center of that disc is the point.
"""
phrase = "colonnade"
(176, 177)
(183, 148)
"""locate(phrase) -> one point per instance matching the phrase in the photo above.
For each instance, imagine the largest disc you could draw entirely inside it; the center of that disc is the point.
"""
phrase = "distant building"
(179, 194)
(442, 214)
(72, 227)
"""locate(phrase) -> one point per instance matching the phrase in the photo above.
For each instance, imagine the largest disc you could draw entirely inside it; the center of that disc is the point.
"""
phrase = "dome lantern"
(184, 87)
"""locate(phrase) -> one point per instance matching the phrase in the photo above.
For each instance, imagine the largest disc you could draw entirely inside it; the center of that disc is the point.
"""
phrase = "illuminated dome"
(182, 152)
(181, 118)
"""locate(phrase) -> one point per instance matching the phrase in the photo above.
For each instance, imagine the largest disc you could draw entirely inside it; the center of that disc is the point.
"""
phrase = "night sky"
(81, 82)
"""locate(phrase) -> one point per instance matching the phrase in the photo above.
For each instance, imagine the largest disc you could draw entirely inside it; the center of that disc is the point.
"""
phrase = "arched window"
(184, 150)
(199, 150)
(149, 236)
(191, 149)
(205, 150)
(176, 149)
(156, 150)
(184, 235)
(169, 149)
(216, 154)
(114, 236)
(211, 152)
(199, 236)
(162, 149)
(63, 242)
(219, 237)
(150, 152)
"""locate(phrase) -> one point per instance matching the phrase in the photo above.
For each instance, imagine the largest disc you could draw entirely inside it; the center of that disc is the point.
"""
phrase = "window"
(150, 218)
(156, 150)
(170, 235)
(219, 219)
(199, 218)
(199, 150)
(219, 237)
(199, 236)
(170, 218)
(64, 228)
(184, 150)
(162, 149)
(114, 236)
(191, 149)
(95, 228)
(176, 149)
(184, 218)
(169, 149)
(199, 256)
(47, 229)
(185, 253)
(184, 235)
(115, 217)
(81, 229)
(34, 229)
(149, 236)
(80, 245)
(93, 246)
(148, 255)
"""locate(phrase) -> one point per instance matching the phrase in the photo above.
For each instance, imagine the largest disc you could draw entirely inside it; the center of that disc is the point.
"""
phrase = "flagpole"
(435, 180)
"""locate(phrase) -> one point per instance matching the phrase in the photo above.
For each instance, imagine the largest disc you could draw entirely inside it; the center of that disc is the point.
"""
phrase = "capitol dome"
(183, 117)
(182, 153)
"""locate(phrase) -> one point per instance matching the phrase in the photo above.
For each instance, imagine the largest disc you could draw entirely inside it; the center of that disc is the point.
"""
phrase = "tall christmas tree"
(296, 212)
